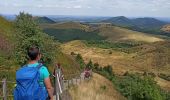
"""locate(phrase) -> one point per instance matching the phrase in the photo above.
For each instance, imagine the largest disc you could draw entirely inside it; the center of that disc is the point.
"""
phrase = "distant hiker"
(87, 72)
(60, 75)
(33, 82)
(58, 66)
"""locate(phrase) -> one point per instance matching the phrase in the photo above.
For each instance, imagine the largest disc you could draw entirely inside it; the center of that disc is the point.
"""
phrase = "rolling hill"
(141, 23)
(69, 31)
(113, 33)
(152, 57)
(146, 24)
(76, 31)
(119, 21)
(66, 25)
(43, 20)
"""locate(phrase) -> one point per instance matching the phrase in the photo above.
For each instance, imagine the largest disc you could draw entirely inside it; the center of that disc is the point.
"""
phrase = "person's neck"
(32, 61)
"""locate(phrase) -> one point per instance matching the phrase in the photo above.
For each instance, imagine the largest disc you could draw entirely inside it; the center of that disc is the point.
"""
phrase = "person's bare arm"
(49, 87)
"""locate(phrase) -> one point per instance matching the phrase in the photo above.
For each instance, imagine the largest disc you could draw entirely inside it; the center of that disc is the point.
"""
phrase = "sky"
(129, 8)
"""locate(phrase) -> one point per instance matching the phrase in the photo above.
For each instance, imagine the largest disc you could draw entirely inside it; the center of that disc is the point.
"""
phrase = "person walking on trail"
(33, 81)
(60, 75)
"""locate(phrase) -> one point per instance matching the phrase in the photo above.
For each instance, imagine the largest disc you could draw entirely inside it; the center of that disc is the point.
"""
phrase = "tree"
(80, 60)
(29, 34)
(90, 64)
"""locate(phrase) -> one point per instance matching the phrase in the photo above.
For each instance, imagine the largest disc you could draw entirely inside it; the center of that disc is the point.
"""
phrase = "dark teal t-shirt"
(44, 73)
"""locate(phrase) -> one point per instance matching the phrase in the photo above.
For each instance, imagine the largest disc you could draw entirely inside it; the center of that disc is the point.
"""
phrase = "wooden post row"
(4, 89)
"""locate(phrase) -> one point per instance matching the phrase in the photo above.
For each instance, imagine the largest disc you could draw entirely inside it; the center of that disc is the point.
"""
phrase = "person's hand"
(51, 99)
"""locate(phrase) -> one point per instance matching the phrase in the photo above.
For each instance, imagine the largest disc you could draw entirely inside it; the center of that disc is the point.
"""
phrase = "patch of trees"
(107, 45)
(120, 46)
(65, 35)
(80, 60)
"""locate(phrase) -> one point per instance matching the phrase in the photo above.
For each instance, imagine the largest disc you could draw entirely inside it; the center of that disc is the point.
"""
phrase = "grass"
(114, 33)
(144, 58)
(98, 88)
(70, 67)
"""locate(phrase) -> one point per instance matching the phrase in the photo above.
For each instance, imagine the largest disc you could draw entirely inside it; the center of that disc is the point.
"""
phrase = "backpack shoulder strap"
(39, 65)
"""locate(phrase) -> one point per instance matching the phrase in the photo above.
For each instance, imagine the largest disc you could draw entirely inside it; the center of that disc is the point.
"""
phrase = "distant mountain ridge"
(145, 22)
(43, 20)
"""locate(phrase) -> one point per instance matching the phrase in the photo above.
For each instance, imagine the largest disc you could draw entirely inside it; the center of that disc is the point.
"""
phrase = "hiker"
(33, 81)
(60, 74)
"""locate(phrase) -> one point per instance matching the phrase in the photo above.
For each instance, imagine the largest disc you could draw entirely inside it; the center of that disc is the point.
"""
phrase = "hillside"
(146, 24)
(119, 21)
(141, 23)
(114, 33)
(7, 59)
(43, 20)
(98, 88)
(147, 57)
(7, 42)
(69, 31)
(76, 31)
(66, 25)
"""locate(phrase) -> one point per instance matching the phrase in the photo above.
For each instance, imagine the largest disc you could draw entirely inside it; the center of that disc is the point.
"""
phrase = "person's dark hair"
(33, 52)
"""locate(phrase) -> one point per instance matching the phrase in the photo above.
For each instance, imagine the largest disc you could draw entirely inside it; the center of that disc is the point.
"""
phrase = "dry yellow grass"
(116, 33)
(98, 88)
(163, 83)
(146, 60)
(97, 55)
(166, 28)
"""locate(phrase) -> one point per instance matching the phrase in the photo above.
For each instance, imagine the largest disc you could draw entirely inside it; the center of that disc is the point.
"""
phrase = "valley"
(119, 55)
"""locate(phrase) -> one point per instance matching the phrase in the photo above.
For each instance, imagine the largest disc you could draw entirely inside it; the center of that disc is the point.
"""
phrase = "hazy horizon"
(102, 8)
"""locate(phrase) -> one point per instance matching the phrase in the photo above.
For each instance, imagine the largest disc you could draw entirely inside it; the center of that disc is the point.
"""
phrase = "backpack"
(28, 87)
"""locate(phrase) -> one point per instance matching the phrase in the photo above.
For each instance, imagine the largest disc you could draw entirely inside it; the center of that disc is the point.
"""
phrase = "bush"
(72, 53)
(136, 88)
(80, 60)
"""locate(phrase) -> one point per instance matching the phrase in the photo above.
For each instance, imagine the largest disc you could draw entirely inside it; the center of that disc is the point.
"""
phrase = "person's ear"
(39, 57)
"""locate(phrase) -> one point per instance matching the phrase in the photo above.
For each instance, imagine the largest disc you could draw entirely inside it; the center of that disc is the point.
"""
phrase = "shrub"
(80, 60)
(136, 88)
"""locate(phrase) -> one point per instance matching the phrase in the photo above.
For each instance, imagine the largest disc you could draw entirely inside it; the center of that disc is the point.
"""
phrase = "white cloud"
(97, 7)
(77, 7)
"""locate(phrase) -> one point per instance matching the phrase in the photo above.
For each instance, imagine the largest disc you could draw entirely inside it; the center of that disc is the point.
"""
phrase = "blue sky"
(130, 8)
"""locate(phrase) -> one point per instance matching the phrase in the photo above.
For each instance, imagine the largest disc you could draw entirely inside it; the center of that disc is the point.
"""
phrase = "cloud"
(77, 7)
(97, 7)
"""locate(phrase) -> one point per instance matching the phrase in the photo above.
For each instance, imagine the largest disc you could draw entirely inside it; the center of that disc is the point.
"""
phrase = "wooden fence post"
(4, 89)
(56, 85)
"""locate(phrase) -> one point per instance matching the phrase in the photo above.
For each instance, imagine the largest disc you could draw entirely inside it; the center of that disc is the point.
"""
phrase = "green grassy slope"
(7, 59)
(75, 31)
(7, 42)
